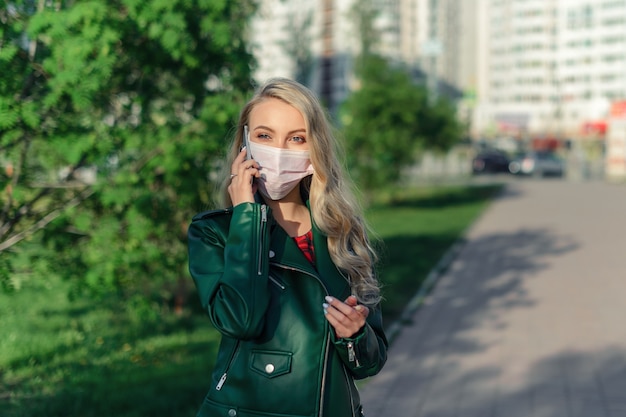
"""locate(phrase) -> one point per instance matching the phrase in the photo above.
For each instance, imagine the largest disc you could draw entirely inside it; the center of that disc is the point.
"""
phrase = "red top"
(305, 243)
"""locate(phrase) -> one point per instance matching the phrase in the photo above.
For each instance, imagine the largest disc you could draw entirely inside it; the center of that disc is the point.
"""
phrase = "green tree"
(388, 120)
(112, 117)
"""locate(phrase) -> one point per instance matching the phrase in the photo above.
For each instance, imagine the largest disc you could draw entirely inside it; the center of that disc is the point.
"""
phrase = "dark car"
(490, 162)
(538, 163)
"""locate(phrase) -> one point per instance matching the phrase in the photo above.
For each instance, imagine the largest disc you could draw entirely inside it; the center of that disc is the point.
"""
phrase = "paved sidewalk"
(528, 321)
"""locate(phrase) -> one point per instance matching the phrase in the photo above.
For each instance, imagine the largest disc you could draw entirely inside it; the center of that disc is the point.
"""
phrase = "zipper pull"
(352, 354)
(220, 383)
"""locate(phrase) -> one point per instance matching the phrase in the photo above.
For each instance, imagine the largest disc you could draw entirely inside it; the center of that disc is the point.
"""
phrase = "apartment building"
(284, 35)
(552, 66)
(312, 41)
(316, 41)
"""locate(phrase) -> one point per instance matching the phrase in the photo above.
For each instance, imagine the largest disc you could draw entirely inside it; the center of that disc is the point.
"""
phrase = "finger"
(339, 305)
(240, 160)
(240, 166)
(236, 165)
(349, 306)
(344, 327)
(363, 310)
(351, 301)
(241, 188)
(244, 172)
(241, 156)
(345, 315)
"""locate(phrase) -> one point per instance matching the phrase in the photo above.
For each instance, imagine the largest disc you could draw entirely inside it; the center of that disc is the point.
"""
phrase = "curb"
(429, 283)
(433, 276)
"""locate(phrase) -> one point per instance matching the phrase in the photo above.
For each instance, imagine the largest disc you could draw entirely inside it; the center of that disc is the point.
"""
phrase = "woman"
(285, 272)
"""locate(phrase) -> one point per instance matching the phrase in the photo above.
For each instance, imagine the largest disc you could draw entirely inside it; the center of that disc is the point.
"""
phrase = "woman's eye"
(263, 136)
(298, 139)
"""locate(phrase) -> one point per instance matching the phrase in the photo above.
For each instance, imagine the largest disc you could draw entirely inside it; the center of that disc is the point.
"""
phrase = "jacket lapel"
(337, 285)
(285, 251)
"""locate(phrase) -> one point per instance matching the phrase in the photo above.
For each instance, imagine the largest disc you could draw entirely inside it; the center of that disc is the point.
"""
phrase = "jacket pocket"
(270, 364)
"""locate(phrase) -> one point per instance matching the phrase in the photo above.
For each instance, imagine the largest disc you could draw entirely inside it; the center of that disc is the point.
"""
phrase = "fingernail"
(358, 308)
(329, 298)
(325, 306)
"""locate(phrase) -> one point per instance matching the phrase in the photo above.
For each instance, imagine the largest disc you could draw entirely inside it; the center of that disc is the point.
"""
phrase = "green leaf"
(83, 221)
(8, 52)
(9, 115)
(30, 116)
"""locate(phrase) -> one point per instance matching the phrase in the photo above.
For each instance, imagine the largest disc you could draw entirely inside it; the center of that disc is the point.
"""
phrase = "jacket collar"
(285, 251)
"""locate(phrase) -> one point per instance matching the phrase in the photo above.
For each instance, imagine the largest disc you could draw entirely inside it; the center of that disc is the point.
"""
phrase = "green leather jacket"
(278, 355)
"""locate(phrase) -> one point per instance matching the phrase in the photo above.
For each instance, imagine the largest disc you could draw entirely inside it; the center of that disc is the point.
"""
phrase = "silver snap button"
(272, 254)
(269, 368)
(232, 412)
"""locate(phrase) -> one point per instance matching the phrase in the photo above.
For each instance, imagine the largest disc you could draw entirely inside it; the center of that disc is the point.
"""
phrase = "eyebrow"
(303, 130)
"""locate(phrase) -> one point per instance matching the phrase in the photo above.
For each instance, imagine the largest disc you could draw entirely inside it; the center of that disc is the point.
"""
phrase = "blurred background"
(114, 119)
(523, 75)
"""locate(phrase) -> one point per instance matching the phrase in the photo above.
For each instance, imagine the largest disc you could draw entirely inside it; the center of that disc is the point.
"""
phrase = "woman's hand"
(347, 318)
(242, 173)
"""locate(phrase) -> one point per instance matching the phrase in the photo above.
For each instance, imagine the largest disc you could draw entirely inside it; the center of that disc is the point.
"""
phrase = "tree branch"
(26, 207)
(44, 221)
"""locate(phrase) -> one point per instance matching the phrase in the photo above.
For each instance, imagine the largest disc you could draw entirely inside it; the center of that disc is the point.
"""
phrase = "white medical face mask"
(281, 169)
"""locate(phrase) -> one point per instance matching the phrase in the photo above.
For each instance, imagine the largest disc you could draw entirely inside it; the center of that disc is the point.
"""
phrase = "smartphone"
(246, 142)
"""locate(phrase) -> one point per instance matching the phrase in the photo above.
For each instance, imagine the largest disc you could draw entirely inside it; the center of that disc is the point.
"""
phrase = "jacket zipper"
(345, 374)
(276, 282)
(327, 345)
(220, 383)
(323, 384)
(261, 234)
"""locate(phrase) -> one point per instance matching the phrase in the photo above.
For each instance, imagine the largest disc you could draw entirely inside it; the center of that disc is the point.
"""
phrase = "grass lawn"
(83, 358)
(416, 227)
(61, 358)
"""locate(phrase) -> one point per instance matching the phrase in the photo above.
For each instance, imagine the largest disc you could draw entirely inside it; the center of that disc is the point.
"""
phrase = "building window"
(613, 40)
(615, 4)
(580, 18)
(615, 21)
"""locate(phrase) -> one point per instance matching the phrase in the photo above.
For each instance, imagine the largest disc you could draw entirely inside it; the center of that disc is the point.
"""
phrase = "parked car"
(538, 163)
(490, 161)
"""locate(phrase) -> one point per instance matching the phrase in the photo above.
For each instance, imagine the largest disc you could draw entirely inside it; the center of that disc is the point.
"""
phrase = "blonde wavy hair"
(334, 208)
